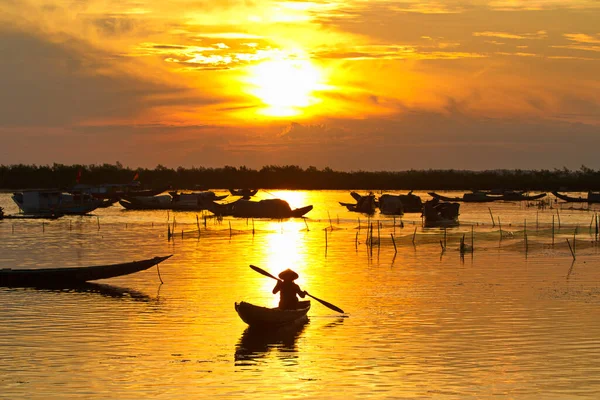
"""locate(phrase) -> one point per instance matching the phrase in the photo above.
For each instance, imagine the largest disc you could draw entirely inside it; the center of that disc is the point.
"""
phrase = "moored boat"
(52, 201)
(592, 197)
(72, 275)
(440, 214)
(257, 316)
(472, 197)
(267, 208)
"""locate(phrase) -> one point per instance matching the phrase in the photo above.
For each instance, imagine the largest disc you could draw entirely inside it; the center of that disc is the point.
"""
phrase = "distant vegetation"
(293, 177)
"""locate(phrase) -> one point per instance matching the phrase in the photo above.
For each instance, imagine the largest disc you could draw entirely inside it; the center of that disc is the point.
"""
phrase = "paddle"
(325, 303)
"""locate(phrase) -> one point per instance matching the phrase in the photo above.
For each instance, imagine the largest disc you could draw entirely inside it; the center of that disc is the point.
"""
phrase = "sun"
(285, 87)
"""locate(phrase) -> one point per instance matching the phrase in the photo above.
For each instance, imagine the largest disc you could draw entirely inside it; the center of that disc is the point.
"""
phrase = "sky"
(352, 85)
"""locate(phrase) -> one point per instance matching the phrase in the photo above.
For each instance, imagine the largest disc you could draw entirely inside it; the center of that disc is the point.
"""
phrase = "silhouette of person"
(289, 290)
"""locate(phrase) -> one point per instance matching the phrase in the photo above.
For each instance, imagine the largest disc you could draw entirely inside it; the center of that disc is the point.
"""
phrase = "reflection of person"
(289, 290)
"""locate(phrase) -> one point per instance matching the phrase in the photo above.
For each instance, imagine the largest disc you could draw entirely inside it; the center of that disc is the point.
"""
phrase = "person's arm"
(277, 287)
(300, 292)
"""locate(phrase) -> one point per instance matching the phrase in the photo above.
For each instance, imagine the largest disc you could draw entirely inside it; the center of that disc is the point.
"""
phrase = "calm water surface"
(517, 318)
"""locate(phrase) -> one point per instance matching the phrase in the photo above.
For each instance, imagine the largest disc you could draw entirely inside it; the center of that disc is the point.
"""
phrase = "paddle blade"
(326, 303)
(263, 272)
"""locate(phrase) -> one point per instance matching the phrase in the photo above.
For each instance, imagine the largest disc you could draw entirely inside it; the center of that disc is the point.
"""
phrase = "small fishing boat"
(257, 316)
(72, 275)
(244, 193)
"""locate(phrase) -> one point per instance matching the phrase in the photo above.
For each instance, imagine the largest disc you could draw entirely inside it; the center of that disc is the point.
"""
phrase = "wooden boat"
(364, 204)
(390, 204)
(268, 208)
(244, 193)
(264, 317)
(72, 275)
(473, 197)
(175, 201)
(520, 196)
(440, 214)
(52, 201)
(115, 191)
(592, 197)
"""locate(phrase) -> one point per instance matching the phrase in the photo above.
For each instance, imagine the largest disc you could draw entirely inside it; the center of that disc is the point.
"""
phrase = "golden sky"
(350, 85)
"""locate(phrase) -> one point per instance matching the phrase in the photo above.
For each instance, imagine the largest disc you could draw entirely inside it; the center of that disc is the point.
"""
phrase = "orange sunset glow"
(378, 85)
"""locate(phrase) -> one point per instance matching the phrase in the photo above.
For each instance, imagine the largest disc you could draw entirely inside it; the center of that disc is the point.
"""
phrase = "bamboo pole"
(500, 227)
(552, 230)
(525, 235)
(558, 216)
(98, 221)
(570, 248)
(492, 215)
(306, 223)
(414, 234)
(394, 242)
(472, 239)
(356, 241)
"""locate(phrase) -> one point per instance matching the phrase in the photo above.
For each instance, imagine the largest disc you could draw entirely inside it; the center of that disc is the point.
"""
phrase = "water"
(514, 319)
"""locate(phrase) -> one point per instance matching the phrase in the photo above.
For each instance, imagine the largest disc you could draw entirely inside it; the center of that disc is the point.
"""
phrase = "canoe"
(257, 316)
(72, 275)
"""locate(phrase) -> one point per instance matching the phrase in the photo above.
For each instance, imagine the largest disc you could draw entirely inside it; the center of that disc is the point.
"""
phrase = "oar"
(325, 303)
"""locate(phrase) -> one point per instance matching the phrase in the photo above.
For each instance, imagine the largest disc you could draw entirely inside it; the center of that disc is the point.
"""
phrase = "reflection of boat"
(272, 318)
(390, 204)
(256, 342)
(364, 204)
(267, 208)
(52, 201)
(592, 197)
(72, 275)
(438, 214)
(99, 288)
(176, 201)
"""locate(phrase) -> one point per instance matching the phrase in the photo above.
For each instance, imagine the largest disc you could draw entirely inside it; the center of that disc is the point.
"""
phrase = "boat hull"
(273, 318)
(72, 275)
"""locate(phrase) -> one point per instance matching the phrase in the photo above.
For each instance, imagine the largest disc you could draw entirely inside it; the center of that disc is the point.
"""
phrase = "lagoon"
(518, 317)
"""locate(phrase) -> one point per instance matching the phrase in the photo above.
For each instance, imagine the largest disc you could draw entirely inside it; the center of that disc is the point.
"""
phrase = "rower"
(289, 290)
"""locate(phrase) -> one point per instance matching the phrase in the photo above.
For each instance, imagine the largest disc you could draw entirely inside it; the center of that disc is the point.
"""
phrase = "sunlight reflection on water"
(515, 319)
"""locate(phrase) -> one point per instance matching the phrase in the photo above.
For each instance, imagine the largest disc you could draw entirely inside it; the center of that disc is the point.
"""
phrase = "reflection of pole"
(394, 242)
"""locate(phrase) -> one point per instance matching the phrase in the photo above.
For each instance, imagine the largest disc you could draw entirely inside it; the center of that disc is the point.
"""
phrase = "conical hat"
(288, 274)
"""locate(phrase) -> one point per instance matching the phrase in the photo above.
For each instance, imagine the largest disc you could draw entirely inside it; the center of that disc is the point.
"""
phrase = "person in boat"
(289, 289)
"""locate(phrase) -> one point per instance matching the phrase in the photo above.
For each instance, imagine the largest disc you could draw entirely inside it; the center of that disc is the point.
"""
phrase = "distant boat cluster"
(440, 210)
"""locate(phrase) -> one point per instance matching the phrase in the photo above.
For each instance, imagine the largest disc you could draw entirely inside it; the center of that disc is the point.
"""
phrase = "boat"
(390, 204)
(592, 197)
(272, 318)
(175, 201)
(267, 208)
(511, 195)
(364, 204)
(52, 201)
(473, 197)
(244, 193)
(44, 277)
(440, 214)
(116, 191)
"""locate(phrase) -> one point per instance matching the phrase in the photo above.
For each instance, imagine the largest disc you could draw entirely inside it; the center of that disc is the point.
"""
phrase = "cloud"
(505, 35)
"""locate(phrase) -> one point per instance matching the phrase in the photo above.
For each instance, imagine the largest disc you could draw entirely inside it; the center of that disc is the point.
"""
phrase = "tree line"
(22, 176)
